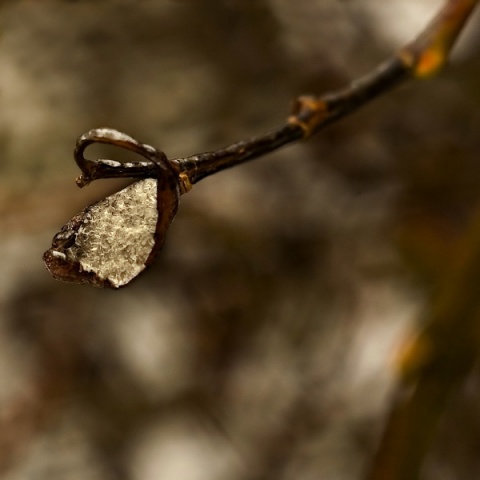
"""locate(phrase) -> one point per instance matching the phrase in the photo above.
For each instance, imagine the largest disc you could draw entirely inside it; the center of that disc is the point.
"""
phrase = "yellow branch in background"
(431, 50)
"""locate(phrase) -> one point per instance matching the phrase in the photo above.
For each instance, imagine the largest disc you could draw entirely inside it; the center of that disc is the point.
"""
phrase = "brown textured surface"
(258, 345)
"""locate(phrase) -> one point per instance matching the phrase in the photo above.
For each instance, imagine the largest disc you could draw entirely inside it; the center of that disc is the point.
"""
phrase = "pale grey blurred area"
(260, 344)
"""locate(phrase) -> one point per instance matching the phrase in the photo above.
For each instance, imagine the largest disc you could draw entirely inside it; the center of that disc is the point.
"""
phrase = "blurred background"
(259, 345)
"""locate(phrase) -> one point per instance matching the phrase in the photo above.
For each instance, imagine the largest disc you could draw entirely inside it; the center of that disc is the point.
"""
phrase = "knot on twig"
(308, 112)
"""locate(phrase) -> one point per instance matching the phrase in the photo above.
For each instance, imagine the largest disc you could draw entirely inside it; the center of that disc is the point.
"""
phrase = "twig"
(423, 57)
(77, 257)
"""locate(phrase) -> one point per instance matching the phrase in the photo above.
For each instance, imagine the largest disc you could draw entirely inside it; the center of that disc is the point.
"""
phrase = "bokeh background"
(260, 345)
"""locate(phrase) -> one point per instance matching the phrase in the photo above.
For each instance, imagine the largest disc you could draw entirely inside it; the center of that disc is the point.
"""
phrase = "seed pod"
(112, 241)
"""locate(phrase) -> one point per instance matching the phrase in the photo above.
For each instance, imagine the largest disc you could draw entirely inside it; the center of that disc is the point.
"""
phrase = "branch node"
(185, 182)
(308, 112)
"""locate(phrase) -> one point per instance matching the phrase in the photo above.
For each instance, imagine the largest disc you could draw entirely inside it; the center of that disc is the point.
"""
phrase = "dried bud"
(112, 241)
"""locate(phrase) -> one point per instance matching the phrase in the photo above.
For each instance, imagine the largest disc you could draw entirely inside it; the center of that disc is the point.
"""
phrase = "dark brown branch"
(202, 165)
(310, 114)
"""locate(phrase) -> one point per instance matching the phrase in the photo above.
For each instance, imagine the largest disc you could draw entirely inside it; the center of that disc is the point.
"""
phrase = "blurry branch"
(433, 365)
(79, 254)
